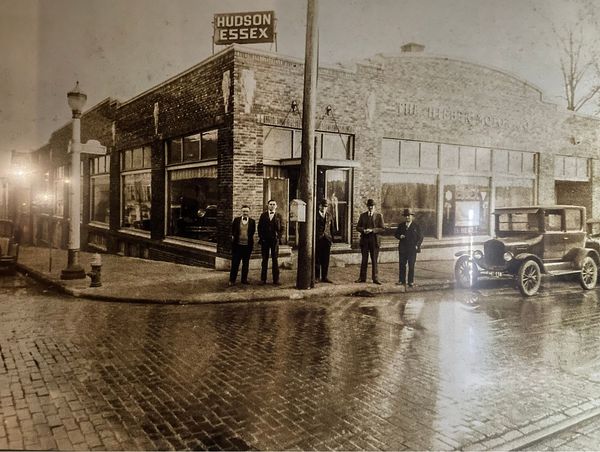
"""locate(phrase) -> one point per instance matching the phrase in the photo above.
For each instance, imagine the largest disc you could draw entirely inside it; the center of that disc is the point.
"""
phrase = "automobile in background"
(529, 242)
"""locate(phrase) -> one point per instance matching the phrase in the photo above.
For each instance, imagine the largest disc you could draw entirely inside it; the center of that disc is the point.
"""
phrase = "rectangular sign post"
(244, 28)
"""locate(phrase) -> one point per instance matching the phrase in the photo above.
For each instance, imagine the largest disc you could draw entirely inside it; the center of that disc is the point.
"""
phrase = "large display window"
(514, 192)
(136, 188)
(193, 199)
(466, 209)
(417, 191)
(100, 189)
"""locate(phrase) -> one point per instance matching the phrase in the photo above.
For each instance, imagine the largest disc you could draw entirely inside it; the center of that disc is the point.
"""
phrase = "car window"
(520, 222)
(573, 219)
(552, 221)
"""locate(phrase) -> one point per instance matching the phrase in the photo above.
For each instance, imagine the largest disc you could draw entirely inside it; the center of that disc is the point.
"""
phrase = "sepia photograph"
(300, 225)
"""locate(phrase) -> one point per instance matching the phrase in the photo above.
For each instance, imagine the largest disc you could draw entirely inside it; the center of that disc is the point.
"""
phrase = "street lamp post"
(74, 270)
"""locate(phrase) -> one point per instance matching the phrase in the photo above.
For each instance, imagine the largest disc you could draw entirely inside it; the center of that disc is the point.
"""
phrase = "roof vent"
(413, 47)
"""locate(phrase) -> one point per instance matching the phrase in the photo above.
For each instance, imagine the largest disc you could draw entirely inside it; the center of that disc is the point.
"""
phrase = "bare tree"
(579, 67)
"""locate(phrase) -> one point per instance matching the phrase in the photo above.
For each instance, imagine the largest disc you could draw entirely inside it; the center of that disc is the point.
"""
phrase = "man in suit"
(370, 225)
(270, 231)
(242, 241)
(324, 238)
(410, 239)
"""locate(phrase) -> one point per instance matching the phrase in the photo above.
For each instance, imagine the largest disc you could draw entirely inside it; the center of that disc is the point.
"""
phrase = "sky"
(120, 48)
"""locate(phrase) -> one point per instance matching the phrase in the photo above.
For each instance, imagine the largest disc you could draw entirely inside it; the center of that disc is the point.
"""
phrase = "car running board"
(563, 272)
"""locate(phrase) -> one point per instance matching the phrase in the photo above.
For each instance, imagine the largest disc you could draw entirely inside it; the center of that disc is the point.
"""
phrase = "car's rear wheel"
(589, 273)
(529, 278)
(466, 272)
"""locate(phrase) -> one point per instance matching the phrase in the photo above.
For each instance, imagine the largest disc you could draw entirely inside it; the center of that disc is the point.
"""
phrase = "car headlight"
(508, 256)
(477, 254)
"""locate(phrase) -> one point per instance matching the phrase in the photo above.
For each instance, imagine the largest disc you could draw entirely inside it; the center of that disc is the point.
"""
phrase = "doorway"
(333, 184)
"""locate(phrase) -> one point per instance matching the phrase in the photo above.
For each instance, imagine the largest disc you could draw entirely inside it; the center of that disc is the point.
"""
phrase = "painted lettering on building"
(467, 117)
(244, 28)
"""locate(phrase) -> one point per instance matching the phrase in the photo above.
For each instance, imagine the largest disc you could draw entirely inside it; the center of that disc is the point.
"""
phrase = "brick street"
(438, 370)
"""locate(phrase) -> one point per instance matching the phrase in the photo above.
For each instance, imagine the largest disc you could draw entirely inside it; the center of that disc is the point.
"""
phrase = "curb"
(240, 297)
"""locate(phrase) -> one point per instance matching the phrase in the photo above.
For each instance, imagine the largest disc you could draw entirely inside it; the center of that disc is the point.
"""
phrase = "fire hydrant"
(96, 273)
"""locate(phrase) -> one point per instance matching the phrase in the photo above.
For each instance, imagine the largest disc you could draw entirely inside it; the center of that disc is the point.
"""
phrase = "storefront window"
(336, 191)
(192, 148)
(466, 206)
(417, 191)
(277, 143)
(59, 191)
(137, 196)
(100, 188)
(193, 198)
(514, 192)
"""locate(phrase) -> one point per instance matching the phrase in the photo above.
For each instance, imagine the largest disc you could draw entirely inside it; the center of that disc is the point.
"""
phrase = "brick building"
(451, 139)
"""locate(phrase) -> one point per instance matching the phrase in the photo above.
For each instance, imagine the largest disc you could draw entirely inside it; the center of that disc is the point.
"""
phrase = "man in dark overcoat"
(370, 225)
(270, 232)
(242, 242)
(410, 238)
(324, 238)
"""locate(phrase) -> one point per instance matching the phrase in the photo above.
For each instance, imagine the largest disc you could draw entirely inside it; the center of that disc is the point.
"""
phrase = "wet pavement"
(435, 370)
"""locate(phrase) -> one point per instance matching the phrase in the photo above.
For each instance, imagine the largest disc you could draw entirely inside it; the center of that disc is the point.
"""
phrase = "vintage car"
(531, 241)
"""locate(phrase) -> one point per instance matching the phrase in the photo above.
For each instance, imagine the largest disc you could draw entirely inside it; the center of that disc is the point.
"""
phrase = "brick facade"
(239, 92)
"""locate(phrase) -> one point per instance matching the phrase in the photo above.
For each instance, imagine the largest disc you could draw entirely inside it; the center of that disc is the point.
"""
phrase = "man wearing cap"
(324, 237)
(370, 225)
(410, 238)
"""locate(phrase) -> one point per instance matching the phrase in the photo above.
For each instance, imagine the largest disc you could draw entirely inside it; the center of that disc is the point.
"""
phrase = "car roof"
(533, 209)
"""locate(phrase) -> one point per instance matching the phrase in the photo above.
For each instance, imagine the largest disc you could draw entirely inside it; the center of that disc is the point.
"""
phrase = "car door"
(554, 247)
(574, 234)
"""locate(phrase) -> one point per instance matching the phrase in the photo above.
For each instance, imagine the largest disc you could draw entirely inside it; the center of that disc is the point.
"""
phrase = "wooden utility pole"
(305, 275)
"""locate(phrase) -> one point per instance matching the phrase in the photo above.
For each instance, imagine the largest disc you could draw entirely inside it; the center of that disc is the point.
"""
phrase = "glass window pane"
(127, 160)
(193, 208)
(277, 143)
(514, 192)
(429, 155)
(449, 157)
(138, 158)
(409, 154)
(108, 163)
(515, 162)
(570, 167)
(100, 191)
(147, 157)
(483, 159)
(174, 151)
(500, 157)
(191, 148)
(390, 153)
(208, 150)
(466, 206)
(467, 158)
(137, 197)
(552, 221)
(559, 166)
(336, 192)
(335, 146)
(417, 191)
(573, 220)
(297, 144)
(582, 168)
(528, 163)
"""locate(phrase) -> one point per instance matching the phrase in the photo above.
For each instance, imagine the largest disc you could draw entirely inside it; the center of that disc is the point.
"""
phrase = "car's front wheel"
(589, 273)
(465, 272)
(529, 278)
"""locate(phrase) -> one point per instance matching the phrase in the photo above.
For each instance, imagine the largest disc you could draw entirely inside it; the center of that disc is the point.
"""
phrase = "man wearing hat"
(370, 225)
(410, 239)
(324, 237)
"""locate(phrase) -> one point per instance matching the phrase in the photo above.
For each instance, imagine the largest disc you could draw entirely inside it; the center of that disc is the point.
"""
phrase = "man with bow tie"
(370, 225)
(270, 232)
(410, 239)
(242, 241)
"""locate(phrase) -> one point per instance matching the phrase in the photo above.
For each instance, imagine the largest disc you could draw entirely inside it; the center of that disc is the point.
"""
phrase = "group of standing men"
(370, 226)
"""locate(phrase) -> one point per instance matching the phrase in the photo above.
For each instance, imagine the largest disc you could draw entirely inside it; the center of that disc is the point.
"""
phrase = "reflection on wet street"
(437, 370)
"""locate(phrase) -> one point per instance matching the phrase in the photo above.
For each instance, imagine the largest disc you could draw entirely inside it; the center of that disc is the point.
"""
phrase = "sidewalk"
(130, 279)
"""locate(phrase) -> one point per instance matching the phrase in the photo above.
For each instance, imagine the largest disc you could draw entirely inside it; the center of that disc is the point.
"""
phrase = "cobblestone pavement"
(438, 370)
(584, 436)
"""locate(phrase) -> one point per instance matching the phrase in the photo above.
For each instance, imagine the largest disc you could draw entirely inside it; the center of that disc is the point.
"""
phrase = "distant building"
(451, 139)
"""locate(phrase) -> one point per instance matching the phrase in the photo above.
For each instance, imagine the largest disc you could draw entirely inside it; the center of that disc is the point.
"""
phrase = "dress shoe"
(245, 282)
(262, 283)
(376, 281)
(327, 280)
(360, 280)
(276, 283)
(411, 285)
(400, 283)
(231, 283)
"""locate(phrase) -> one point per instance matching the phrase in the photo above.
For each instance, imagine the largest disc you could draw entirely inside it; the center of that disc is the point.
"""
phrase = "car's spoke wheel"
(529, 278)
(465, 272)
(589, 273)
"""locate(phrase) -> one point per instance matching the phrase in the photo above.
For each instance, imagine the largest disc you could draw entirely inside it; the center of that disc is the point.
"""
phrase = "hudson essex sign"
(244, 28)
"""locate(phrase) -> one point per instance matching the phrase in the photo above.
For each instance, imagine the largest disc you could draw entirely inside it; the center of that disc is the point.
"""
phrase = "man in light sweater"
(242, 241)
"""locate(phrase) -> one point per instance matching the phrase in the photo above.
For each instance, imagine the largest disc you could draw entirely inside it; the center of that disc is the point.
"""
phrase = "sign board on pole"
(244, 28)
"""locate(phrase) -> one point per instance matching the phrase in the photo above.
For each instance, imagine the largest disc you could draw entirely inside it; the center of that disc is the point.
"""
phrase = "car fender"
(528, 256)
(578, 254)
(462, 253)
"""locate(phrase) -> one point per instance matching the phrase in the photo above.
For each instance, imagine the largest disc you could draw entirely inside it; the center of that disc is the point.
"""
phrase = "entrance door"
(333, 184)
